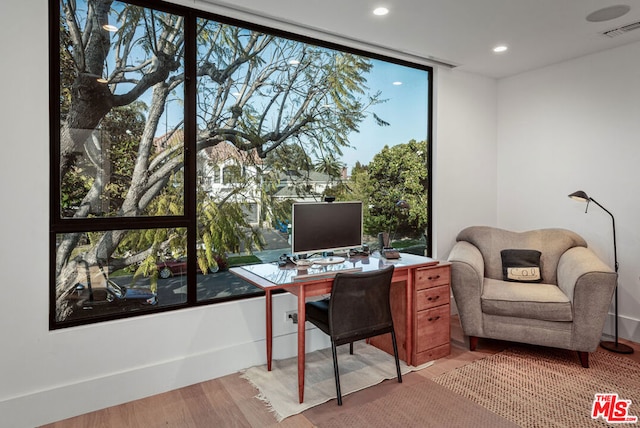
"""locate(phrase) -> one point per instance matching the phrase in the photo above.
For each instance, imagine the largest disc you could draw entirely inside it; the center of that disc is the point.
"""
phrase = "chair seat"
(318, 313)
(521, 300)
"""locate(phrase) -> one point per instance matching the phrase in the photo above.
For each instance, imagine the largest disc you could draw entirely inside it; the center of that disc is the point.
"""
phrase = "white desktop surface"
(280, 276)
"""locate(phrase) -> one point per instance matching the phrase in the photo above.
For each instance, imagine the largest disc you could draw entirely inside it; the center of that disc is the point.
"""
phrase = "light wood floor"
(230, 401)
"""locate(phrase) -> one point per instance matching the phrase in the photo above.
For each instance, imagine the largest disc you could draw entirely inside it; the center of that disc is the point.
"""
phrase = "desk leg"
(269, 322)
(409, 318)
(301, 342)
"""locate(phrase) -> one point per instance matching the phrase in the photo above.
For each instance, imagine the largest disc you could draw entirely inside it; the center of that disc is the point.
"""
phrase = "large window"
(180, 140)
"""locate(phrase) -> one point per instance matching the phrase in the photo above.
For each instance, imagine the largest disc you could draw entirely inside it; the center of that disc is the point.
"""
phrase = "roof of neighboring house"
(225, 150)
(311, 176)
(291, 193)
(220, 152)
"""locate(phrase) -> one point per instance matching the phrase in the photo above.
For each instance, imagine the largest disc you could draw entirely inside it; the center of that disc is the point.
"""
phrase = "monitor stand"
(329, 260)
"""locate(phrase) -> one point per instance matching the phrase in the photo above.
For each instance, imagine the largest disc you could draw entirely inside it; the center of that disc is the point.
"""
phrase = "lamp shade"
(579, 195)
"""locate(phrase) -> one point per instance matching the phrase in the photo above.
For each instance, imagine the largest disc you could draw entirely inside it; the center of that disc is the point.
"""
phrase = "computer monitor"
(325, 226)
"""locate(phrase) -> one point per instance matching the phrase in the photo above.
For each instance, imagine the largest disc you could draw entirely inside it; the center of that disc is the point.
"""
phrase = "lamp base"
(619, 348)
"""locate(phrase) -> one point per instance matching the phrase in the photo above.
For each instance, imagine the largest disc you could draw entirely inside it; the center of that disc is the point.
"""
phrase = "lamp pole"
(613, 346)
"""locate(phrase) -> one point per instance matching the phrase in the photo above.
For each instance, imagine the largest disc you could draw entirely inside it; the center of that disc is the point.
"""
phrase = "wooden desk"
(270, 277)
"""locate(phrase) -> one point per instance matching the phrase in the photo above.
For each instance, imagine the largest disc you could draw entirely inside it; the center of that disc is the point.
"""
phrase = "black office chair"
(358, 308)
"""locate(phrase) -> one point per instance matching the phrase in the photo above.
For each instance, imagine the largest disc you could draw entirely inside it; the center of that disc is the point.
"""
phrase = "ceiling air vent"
(621, 30)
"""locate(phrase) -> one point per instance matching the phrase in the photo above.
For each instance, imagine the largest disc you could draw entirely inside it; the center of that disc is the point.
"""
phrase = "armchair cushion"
(521, 300)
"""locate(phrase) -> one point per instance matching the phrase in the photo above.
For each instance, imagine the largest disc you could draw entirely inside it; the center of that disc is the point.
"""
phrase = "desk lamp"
(614, 346)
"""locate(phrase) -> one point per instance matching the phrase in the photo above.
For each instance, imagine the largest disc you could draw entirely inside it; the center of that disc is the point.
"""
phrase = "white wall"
(576, 126)
(50, 375)
(464, 164)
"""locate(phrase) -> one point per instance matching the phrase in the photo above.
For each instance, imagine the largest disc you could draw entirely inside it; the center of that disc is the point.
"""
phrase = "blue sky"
(405, 110)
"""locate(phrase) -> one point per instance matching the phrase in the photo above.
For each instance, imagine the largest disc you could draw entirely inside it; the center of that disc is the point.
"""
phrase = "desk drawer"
(432, 277)
(432, 354)
(432, 328)
(432, 297)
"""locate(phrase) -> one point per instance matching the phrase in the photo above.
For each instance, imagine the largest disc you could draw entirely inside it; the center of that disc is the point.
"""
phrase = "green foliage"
(289, 157)
(124, 126)
(75, 186)
(397, 173)
(148, 268)
(226, 227)
(120, 133)
(243, 260)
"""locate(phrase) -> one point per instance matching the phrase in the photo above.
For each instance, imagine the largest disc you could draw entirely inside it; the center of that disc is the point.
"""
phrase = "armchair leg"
(473, 342)
(584, 359)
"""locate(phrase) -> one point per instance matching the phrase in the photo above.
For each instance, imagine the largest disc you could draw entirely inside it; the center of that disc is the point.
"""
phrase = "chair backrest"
(552, 243)
(359, 306)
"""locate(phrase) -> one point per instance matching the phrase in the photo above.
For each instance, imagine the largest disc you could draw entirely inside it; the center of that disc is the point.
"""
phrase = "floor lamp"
(614, 346)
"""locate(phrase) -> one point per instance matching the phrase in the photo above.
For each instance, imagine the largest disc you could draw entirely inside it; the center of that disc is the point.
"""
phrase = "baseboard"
(66, 401)
(628, 328)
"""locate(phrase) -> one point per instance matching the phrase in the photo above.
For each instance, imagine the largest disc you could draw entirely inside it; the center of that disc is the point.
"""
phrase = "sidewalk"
(276, 244)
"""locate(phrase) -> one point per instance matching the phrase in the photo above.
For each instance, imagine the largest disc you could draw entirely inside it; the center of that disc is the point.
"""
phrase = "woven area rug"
(367, 366)
(542, 387)
(416, 402)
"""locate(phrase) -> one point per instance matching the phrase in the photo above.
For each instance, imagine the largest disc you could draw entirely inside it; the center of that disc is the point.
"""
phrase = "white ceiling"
(457, 32)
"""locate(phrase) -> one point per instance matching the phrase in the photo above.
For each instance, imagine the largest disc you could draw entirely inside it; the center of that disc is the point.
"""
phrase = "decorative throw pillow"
(521, 265)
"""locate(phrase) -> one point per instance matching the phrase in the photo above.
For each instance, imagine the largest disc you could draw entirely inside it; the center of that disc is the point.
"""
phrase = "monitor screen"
(325, 226)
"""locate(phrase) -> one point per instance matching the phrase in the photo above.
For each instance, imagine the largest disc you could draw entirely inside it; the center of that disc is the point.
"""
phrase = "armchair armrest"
(467, 253)
(467, 276)
(590, 284)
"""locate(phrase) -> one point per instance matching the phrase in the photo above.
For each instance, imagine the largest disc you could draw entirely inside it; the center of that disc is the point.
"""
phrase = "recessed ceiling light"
(500, 49)
(397, 83)
(110, 28)
(380, 11)
(608, 13)
(294, 62)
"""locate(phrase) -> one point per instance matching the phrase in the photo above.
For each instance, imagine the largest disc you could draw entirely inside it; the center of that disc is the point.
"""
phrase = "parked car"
(113, 296)
(170, 267)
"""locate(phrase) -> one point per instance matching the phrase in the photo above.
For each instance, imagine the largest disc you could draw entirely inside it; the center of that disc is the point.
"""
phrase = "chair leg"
(584, 359)
(351, 348)
(473, 342)
(395, 354)
(336, 373)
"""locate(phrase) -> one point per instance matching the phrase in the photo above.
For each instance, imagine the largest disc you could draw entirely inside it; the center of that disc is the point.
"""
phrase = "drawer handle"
(432, 278)
(433, 298)
(434, 318)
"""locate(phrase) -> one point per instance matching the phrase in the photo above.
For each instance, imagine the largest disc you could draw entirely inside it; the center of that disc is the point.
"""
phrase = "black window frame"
(58, 224)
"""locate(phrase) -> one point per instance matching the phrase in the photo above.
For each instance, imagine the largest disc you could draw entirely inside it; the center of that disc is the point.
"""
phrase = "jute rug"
(417, 402)
(542, 387)
(367, 366)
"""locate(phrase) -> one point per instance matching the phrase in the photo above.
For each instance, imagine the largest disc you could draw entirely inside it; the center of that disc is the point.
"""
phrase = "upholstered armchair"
(556, 294)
